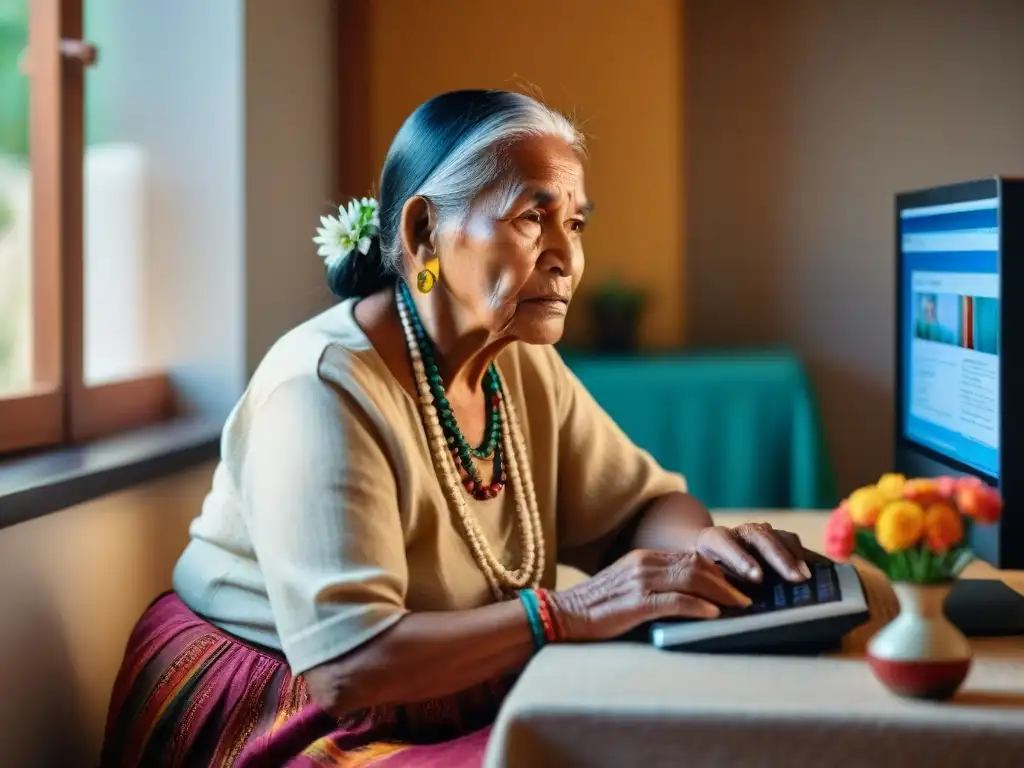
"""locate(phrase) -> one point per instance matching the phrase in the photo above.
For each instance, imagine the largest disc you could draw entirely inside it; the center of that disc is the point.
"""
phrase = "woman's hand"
(643, 586)
(733, 548)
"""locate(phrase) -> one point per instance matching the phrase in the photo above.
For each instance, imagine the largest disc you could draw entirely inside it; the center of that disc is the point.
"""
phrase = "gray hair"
(449, 151)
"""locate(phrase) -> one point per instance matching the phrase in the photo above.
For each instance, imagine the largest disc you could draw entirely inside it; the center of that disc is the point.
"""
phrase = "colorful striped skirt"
(188, 694)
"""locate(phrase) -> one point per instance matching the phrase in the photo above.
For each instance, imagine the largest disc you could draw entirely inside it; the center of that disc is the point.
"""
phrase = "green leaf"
(900, 566)
(867, 546)
(919, 564)
(612, 291)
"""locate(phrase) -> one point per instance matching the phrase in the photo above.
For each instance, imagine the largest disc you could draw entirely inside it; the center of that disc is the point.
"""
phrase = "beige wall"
(614, 65)
(74, 583)
(290, 144)
(803, 119)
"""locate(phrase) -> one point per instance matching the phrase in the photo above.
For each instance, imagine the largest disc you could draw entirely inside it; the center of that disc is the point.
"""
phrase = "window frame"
(61, 408)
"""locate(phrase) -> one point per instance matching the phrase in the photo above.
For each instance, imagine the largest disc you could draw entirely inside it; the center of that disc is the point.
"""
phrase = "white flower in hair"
(352, 229)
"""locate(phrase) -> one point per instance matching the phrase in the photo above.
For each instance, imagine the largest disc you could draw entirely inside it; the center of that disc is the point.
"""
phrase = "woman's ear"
(418, 233)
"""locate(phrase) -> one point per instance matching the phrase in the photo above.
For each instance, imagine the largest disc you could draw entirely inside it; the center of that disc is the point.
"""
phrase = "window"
(77, 356)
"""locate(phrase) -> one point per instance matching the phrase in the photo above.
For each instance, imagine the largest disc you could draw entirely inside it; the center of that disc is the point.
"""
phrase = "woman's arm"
(429, 655)
(672, 523)
(426, 656)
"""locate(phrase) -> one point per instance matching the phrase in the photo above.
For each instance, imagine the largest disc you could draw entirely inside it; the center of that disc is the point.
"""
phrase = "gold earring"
(427, 278)
(425, 281)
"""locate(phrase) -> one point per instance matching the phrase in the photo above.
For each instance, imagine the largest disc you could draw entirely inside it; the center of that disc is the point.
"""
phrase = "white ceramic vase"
(920, 654)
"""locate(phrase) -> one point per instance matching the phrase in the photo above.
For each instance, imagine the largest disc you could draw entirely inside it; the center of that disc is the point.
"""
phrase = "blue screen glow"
(950, 326)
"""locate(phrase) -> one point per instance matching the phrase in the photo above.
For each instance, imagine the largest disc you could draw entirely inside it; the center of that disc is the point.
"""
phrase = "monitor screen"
(949, 257)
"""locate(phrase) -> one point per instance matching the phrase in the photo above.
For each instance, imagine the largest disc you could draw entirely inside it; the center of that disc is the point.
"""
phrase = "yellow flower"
(891, 485)
(864, 505)
(943, 528)
(899, 525)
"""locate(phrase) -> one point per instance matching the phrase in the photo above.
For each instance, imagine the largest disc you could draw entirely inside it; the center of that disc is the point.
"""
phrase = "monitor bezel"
(910, 453)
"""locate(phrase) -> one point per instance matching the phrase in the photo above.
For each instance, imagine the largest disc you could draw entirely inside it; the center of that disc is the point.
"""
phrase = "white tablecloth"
(632, 705)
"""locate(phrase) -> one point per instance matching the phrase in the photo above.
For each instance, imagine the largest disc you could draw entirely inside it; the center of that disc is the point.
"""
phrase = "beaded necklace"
(462, 452)
(452, 457)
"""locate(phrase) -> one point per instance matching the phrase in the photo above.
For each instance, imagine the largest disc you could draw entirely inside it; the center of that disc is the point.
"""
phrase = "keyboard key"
(780, 596)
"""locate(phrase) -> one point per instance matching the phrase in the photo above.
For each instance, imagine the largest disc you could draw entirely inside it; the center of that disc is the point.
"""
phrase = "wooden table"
(621, 704)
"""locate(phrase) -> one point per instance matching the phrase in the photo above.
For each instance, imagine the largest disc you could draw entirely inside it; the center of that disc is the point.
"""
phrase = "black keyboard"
(827, 606)
(775, 593)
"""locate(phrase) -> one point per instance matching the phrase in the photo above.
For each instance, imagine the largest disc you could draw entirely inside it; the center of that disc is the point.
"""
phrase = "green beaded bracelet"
(529, 600)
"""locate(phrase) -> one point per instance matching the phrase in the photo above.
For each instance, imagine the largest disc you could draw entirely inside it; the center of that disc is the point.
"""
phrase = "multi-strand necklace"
(460, 449)
(453, 458)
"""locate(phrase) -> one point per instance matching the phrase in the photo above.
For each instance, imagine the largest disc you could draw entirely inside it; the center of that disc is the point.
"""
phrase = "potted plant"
(917, 532)
(616, 310)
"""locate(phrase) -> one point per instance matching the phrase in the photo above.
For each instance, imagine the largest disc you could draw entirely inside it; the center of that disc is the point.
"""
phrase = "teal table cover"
(744, 428)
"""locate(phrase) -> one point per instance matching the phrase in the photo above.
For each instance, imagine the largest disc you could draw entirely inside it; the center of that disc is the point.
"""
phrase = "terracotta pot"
(920, 654)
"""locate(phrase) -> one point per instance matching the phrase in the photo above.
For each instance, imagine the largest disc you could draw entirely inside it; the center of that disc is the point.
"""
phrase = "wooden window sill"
(36, 485)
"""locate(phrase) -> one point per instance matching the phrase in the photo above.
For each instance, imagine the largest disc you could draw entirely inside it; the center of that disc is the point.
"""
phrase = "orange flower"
(943, 528)
(979, 501)
(839, 534)
(899, 525)
(864, 505)
(926, 491)
(891, 485)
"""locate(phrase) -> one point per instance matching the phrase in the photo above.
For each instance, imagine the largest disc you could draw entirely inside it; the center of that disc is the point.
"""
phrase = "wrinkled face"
(513, 265)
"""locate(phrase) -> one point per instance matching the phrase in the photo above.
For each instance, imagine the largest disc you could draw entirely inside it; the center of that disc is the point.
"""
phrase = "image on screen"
(950, 325)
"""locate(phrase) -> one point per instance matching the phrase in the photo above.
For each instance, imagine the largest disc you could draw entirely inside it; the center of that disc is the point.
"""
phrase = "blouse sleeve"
(322, 506)
(604, 479)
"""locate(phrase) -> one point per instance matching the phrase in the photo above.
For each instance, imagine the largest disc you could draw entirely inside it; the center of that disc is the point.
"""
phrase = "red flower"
(839, 534)
(947, 486)
(978, 500)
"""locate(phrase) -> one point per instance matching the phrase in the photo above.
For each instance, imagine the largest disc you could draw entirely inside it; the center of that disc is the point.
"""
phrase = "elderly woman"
(377, 557)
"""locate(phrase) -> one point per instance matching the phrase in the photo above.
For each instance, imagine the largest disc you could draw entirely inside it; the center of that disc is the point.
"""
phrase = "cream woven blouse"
(326, 521)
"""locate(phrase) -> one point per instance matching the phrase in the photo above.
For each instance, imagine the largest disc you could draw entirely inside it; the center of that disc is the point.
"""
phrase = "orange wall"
(616, 68)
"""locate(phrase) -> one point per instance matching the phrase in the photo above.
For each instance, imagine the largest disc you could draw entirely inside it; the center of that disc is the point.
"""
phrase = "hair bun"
(358, 273)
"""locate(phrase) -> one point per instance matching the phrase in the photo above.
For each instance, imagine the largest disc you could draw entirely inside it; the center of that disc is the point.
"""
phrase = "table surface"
(791, 710)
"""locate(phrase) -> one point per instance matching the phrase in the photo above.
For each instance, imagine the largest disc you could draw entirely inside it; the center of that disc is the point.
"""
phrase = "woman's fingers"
(793, 543)
(665, 605)
(719, 543)
(800, 552)
(696, 575)
(771, 547)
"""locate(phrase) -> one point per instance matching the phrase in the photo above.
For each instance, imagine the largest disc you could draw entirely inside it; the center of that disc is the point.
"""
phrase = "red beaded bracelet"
(547, 616)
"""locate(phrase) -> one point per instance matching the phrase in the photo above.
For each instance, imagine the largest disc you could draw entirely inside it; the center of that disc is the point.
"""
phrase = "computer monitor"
(960, 344)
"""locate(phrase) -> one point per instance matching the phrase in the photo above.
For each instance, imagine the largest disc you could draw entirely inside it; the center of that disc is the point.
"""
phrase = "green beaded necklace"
(462, 452)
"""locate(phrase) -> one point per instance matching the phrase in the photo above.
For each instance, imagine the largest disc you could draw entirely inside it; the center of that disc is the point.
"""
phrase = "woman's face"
(512, 266)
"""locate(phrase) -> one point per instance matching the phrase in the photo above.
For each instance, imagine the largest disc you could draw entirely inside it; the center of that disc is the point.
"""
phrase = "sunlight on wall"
(617, 70)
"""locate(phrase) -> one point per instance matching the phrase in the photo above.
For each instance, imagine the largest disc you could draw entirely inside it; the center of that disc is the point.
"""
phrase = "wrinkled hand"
(733, 549)
(642, 586)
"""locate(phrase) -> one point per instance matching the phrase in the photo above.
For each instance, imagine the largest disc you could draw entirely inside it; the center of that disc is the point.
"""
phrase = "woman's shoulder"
(321, 381)
(327, 353)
